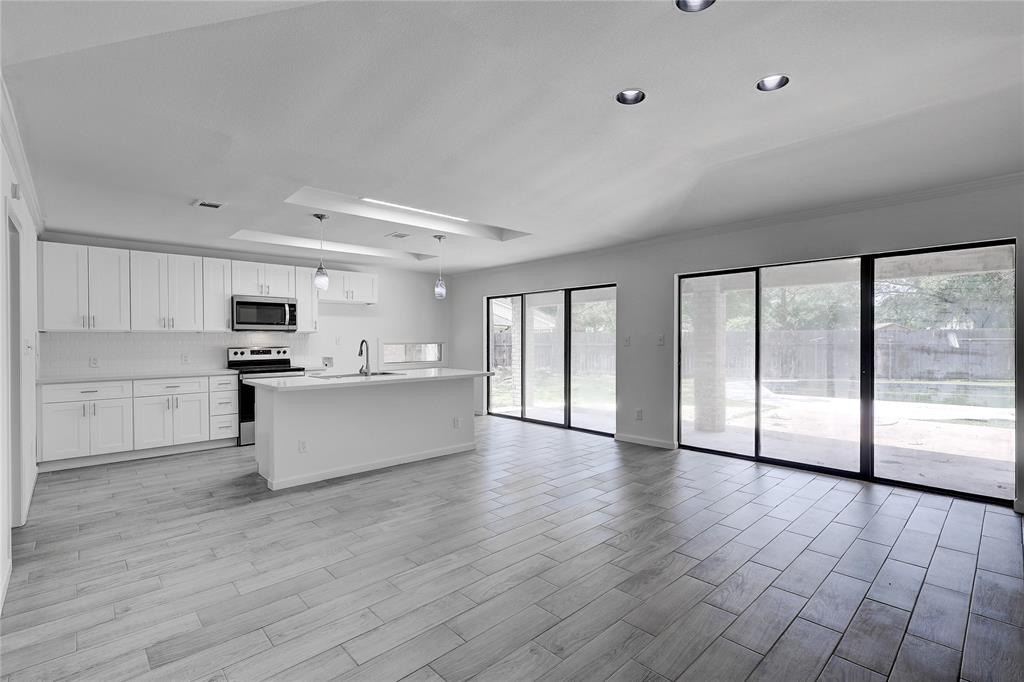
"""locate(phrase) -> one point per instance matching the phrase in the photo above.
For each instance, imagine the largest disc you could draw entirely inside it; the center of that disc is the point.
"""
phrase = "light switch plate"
(94, 361)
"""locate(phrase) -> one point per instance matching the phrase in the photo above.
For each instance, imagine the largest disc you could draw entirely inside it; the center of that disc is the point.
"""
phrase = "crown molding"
(11, 136)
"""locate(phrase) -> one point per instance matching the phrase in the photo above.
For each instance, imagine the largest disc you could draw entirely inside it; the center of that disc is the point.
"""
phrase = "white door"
(191, 417)
(362, 287)
(246, 278)
(185, 293)
(64, 278)
(216, 295)
(279, 280)
(109, 290)
(110, 426)
(306, 296)
(65, 430)
(149, 291)
(153, 419)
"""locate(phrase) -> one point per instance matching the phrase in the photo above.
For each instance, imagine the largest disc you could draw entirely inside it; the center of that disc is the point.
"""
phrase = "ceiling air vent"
(397, 235)
(199, 203)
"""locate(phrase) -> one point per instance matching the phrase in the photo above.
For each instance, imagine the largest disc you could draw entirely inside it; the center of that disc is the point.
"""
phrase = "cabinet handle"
(162, 323)
(93, 321)
(168, 403)
(225, 402)
(92, 391)
(224, 427)
(83, 410)
(172, 323)
(173, 386)
(85, 321)
(94, 409)
(175, 403)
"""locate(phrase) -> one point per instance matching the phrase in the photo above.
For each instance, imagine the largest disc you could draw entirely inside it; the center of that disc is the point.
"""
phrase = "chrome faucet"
(365, 369)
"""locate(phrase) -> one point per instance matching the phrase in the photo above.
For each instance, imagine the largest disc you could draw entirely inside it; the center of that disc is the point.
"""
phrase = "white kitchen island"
(313, 428)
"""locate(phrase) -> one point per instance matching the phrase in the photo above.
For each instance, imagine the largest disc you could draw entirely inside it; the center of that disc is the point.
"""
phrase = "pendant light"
(440, 290)
(321, 280)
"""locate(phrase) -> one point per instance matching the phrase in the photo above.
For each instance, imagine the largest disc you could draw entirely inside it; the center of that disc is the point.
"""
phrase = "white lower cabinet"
(171, 420)
(79, 429)
(191, 418)
(154, 421)
(64, 430)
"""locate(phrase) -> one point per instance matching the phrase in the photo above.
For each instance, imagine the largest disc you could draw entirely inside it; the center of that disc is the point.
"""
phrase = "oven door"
(263, 313)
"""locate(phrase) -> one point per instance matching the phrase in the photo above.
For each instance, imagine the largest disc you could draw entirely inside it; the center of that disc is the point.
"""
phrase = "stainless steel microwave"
(263, 313)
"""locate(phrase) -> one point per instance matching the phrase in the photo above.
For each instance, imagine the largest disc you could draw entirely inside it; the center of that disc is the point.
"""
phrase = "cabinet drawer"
(148, 387)
(226, 382)
(65, 393)
(224, 426)
(223, 402)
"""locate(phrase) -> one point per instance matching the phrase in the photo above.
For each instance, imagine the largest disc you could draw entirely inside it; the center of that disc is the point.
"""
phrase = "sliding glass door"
(810, 363)
(894, 367)
(544, 357)
(944, 369)
(553, 357)
(592, 359)
(505, 333)
(717, 338)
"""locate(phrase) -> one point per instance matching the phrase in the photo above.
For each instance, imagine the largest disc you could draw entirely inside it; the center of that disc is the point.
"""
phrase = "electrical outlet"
(639, 415)
(327, 361)
(94, 361)
(661, 339)
(628, 342)
(456, 423)
(302, 446)
(185, 359)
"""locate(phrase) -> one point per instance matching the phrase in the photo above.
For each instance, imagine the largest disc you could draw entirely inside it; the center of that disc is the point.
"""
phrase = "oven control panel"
(264, 353)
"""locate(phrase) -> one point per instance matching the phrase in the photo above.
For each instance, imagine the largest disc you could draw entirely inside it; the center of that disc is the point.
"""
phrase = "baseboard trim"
(5, 582)
(338, 472)
(132, 455)
(641, 440)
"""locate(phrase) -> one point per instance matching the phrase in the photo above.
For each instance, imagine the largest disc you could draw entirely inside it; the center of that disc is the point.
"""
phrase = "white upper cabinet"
(149, 291)
(216, 295)
(246, 278)
(262, 279)
(279, 280)
(83, 288)
(109, 301)
(166, 292)
(63, 286)
(185, 292)
(308, 300)
(351, 287)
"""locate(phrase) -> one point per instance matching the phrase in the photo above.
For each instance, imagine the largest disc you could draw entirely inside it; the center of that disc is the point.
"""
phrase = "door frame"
(867, 374)
(567, 351)
(15, 362)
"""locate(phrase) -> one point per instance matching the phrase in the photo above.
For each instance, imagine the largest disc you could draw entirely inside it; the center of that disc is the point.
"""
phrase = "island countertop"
(326, 381)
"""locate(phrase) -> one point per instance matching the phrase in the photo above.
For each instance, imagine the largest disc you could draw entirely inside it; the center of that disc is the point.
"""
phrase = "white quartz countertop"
(131, 376)
(312, 383)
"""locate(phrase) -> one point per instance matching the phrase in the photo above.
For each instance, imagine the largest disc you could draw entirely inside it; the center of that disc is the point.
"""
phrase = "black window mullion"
(522, 356)
(757, 363)
(867, 366)
(567, 355)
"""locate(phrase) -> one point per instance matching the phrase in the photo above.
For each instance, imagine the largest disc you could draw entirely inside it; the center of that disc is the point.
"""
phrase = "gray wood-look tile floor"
(544, 554)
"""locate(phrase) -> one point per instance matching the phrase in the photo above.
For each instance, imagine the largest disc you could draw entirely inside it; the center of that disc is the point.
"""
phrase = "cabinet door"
(361, 287)
(149, 291)
(110, 426)
(65, 430)
(64, 286)
(109, 290)
(308, 301)
(185, 293)
(216, 295)
(336, 292)
(246, 278)
(279, 280)
(153, 420)
(191, 417)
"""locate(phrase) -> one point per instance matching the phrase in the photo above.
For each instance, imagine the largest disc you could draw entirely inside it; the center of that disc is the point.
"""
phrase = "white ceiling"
(501, 112)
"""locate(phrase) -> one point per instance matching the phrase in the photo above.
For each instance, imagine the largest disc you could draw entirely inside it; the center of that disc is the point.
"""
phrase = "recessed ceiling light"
(630, 97)
(415, 210)
(694, 5)
(776, 82)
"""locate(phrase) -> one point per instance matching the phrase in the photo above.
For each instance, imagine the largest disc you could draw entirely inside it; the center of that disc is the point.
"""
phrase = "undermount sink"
(356, 374)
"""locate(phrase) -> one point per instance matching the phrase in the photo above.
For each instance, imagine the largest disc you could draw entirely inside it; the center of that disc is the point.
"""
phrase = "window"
(427, 354)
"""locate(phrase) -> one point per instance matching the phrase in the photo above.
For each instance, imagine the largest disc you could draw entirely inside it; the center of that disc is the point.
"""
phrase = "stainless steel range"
(264, 362)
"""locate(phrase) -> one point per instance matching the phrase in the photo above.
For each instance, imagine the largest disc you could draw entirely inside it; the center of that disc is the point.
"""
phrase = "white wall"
(645, 273)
